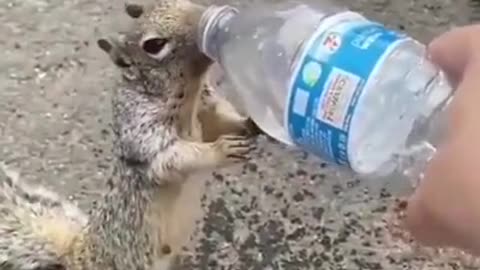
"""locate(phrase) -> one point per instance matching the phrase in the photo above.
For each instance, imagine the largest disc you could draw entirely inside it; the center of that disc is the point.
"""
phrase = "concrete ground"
(283, 210)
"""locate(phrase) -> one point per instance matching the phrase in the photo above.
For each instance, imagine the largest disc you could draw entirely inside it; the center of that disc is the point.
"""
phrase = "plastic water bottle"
(331, 82)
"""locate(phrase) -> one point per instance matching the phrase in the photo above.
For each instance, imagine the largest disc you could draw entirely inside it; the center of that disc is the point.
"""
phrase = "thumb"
(453, 50)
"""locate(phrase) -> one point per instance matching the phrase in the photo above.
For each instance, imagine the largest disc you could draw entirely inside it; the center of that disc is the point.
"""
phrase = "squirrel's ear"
(134, 10)
(105, 45)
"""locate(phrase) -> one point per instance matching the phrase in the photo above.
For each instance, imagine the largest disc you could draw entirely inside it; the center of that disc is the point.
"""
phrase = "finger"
(453, 50)
(429, 231)
(463, 110)
(427, 213)
(436, 214)
(421, 224)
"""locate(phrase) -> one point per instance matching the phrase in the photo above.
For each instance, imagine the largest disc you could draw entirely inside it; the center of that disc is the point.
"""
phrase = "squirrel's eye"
(154, 45)
(157, 48)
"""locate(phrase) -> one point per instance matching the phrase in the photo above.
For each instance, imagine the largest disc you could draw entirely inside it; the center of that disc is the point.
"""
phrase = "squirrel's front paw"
(250, 128)
(233, 148)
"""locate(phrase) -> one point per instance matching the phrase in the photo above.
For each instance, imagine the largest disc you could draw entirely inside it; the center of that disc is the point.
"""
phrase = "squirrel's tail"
(37, 226)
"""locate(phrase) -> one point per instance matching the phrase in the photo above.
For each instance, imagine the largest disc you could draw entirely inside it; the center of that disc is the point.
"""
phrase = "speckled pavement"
(281, 210)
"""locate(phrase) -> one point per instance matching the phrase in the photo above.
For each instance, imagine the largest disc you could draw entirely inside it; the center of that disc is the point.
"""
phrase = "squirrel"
(37, 226)
(168, 124)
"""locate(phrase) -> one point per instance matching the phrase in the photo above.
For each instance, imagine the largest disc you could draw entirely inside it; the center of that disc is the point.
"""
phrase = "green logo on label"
(311, 73)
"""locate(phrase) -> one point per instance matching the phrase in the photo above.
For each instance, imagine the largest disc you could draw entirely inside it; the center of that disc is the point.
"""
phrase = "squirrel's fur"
(168, 124)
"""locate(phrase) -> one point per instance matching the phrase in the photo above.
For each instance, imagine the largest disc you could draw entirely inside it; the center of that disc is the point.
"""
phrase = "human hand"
(445, 208)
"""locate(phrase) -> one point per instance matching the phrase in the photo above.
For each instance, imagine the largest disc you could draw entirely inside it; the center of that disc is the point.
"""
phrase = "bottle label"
(328, 80)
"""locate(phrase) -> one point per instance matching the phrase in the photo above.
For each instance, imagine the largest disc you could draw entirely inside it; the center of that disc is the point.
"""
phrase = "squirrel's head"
(164, 33)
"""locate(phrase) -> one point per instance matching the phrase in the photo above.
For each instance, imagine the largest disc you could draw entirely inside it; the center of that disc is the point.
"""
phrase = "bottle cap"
(209, 22)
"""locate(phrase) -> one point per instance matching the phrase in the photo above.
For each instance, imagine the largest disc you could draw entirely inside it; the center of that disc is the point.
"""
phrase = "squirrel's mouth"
(208, 27)
(200, 63)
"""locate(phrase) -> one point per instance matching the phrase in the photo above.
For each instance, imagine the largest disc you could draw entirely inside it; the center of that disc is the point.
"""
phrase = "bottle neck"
(213, 29)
